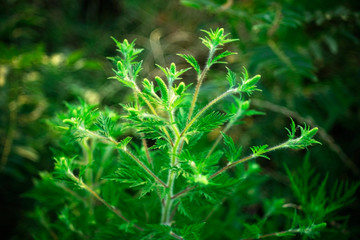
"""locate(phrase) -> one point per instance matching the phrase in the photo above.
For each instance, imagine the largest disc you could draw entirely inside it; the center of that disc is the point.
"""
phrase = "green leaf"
(258, 151)
(124, 142)
(192, 61)
(220, 56)
(248, 85)
(215, 38)
(185, 206)
(304, 140)
(179, 90)
(192, 232)
(232, 153)
(210, 121)
(252, 231)
(171, 73)
(105, 125)
(163, 89)
(231, 77)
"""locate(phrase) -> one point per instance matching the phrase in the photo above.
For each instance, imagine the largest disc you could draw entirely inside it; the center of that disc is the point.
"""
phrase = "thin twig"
(145, 168)
(227, 167)
(109, 139)
(205, 108)
(322, 132)
(93, 193)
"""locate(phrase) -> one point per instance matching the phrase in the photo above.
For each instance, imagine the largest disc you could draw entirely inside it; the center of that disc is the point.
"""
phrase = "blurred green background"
(55, 51)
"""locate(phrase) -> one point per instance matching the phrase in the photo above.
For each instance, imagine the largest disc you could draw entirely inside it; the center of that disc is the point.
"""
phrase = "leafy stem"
(100, 199)
(211, 103)
(225, 129)
(166, 210)
(200, 79)
(301, 142)
(152, 109)
(145, 167)
(247, 158)
(129, 154)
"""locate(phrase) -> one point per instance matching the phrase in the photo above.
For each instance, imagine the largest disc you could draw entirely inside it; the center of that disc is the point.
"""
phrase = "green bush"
(150, 172)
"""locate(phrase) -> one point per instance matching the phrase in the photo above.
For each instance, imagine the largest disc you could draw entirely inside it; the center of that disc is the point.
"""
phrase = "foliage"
(51, 53)
(144, 165)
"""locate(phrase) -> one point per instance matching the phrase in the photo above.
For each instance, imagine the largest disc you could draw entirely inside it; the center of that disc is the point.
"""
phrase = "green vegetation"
(179, 146)
(166, 189)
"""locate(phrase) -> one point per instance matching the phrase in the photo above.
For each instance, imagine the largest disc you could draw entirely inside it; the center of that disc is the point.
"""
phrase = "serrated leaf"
(180, 88)
(192, 232)
(248, 85)
(105, 125)
(252, 231)
(210, 121)
(304, 140)
(232, 153)
(220, 56)
(192, 61)
(163, 90)
(259, 151)
(231, 77)
(185, 207)
(124, 142)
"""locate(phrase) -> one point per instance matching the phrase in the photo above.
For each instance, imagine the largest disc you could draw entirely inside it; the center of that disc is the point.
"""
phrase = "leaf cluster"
(156, 167)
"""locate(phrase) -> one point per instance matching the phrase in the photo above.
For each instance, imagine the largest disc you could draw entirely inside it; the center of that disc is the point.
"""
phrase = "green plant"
(145, 174)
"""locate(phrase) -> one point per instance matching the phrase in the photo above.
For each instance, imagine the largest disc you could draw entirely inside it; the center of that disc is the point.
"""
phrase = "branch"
(145, 168)
(225, 129)
(110, 139)
(205, 108)
(242, 160)
(274, 234)
(198, 85)
(245, 159)
(93, 193)
(322, 132)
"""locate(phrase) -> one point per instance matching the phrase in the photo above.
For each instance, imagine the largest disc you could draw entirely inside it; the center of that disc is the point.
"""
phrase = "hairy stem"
(298, 230)
(211, 103)
(109, 139)
(245, 159)
(141, 134)
(225, 129)
(145, 168)
(227, 167)
(100, 199)
(322, 132)
(152, 109)
(166, 209)
(198, 85)
(147, 152)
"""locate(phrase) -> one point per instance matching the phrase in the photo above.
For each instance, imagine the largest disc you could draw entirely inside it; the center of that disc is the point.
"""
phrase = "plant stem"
(225, 129)
(152, 109)
(322, 132)
(245, 159)
(130, 154)
(166, 209)
(198, 85)
(147, 152)
(227, 167)
(205, 108)
(88, 157)
(183, 192)
(274, 234)
(145, 168)
(141, 134)
(94, 194)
